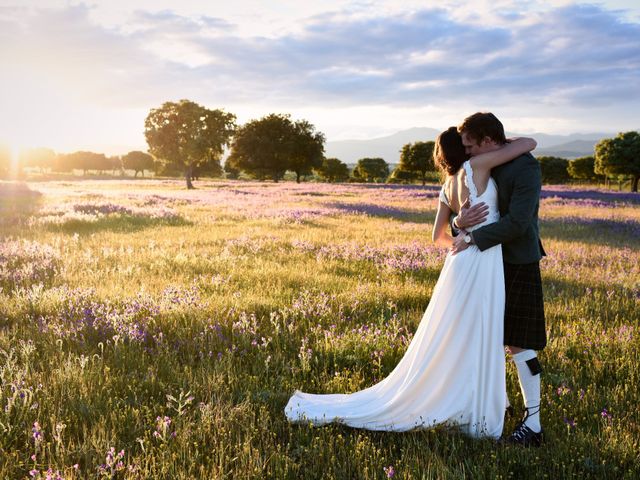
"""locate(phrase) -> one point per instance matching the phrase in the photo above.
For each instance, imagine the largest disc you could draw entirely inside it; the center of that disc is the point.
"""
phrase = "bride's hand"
(470, 216)
(459, 244)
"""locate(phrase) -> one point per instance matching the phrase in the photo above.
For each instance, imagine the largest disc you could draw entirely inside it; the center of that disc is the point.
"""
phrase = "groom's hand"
(470, 216)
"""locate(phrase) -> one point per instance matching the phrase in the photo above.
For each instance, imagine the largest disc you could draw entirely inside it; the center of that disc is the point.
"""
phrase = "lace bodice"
(489, 196)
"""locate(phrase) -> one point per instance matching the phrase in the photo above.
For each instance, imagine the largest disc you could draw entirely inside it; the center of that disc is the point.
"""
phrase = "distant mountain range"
(349, 151)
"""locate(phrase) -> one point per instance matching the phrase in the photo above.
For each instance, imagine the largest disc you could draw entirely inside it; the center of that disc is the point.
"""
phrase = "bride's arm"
(440, 235)
(511, 150)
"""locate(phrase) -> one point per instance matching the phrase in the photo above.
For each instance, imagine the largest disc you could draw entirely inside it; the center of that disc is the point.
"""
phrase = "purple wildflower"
(37, 433)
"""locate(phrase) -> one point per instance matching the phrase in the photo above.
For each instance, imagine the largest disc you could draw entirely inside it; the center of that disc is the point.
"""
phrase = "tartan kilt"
(524, 324)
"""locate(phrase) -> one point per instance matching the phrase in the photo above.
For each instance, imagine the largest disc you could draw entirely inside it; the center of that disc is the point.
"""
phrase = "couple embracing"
(488, 296)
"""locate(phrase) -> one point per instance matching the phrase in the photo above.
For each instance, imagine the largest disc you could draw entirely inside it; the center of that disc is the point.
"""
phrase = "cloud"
(428, 56)
(572, 56)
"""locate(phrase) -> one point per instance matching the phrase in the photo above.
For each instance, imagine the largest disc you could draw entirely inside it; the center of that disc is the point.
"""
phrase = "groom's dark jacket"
(519, 183)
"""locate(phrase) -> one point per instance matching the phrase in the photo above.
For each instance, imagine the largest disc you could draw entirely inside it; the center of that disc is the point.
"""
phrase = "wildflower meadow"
(148, 331)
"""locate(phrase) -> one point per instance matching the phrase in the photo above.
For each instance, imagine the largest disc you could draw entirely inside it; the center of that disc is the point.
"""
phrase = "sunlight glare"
(16, 149)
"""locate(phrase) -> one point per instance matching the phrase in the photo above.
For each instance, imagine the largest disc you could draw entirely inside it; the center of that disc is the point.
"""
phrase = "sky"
(84, 75)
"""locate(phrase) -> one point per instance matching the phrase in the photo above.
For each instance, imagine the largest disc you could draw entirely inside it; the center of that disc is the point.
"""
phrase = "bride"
(453, 371)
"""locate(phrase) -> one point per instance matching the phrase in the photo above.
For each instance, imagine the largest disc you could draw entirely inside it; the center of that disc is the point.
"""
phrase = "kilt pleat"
(524, 322)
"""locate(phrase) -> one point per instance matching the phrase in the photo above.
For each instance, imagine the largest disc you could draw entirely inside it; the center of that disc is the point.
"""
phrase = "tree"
(86, 161)
(554, 169)
(165, 169)
(213, 169)
(333, 170)
(583, 168)
(42, 158)
(62, 163)
(620, 156)
(268, 147)
(231, 170)
(417, 158)
(371, 170)
(307, 149)
(188, 135)
(402, 176)
(115, 164)
(137, 161)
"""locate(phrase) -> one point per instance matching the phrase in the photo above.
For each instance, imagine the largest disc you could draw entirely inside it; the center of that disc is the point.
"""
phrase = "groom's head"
(481, 132)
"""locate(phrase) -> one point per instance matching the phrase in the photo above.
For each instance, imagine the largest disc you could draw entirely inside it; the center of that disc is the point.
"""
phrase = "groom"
(519, 184)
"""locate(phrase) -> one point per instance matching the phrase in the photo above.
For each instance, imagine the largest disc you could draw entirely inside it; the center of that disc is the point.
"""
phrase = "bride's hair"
(449, 154)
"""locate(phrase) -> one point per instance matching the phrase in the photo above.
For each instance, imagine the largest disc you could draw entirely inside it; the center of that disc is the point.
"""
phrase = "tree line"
(187, 139)
(45, 159)
(615, 158)
(188, 136)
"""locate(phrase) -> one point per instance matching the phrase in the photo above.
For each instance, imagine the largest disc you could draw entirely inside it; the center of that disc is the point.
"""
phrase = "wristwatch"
(468, 239)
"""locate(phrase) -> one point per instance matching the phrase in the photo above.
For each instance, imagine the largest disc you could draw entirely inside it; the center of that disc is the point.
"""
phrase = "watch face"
(467, 239)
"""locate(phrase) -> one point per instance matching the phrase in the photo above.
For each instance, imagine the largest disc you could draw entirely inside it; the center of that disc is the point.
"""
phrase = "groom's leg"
(525, 332)
(529, 370)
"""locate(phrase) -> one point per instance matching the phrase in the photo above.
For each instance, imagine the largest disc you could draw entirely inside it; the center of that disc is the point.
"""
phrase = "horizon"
(84, 76)
(120, 150)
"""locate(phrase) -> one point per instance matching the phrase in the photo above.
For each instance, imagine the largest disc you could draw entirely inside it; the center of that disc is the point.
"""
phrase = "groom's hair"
(481, 125)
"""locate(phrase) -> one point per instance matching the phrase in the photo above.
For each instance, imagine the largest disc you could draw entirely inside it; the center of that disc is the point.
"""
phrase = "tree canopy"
(307, 149)
(212, 169)
(138, 161)
(583, 168)
(554, 169)
(83, 160)
(188, 135)
(371, 170)
(333, 170)
(231, 170)
(417, 158)
(268, 147)
(619, 156)
(402, 176)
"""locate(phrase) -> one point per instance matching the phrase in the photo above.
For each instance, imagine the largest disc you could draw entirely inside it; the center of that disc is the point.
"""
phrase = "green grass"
(236, 317)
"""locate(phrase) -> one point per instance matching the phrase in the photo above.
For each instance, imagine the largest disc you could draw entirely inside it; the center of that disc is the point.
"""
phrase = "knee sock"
(530, 386)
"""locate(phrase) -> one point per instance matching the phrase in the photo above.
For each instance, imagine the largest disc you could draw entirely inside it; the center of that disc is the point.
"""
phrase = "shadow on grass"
(594, 195)
(116, 224)
(17, 202)
(597, 231)
(381, 211)
(399, 186)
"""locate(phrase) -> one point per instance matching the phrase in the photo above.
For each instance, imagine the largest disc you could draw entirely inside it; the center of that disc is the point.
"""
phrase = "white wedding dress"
(453, 371)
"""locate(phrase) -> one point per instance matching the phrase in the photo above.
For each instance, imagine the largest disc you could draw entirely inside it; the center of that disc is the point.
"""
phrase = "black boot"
(523, 435)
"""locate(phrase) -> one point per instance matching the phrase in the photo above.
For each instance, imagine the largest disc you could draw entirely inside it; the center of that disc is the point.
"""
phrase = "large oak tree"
(268, 147)
(188, 135)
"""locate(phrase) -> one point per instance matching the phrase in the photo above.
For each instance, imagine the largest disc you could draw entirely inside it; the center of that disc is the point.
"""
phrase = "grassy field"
(147, 331)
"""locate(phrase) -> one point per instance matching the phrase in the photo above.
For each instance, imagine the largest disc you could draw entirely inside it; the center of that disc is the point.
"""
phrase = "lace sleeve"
(468, 179)
(443, 197)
